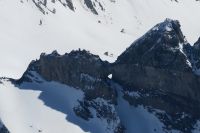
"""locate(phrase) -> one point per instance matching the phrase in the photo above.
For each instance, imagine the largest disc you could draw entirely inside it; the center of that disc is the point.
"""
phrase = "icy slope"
(23, 38)
(27, 112)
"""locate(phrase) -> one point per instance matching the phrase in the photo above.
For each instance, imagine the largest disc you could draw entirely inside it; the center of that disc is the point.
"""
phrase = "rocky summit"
(158, 71)
(158, 66)
(158, 61)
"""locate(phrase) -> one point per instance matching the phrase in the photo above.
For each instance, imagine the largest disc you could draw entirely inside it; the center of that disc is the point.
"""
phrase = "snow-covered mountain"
(29, 27)
(152, 87)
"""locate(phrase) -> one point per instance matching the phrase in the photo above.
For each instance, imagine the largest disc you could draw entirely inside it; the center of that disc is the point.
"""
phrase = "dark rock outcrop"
(43, 5)
(91, 5)
(79, 69)
(193, 53)
(157, 61)
(159, 66)
(68, 3)
(159, 48)
(3, 129)
(196, 55)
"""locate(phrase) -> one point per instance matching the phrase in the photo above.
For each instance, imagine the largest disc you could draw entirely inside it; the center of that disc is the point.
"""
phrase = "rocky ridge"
(46, 6)
(156, 71)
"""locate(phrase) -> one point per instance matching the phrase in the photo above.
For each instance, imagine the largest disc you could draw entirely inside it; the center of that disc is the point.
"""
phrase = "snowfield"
(113, 30)
(48, 107)
(25, 113)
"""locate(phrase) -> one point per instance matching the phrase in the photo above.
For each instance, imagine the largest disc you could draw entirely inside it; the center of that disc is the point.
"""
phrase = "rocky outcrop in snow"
(85, 71)
(159, 61)
(158, 68)
(156, 72)
(79, 69)
(46, 6)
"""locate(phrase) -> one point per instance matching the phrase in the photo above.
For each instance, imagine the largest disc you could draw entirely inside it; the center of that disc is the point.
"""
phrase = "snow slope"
(22, 38)
(25, 113)
(39, 106)
(138, 119)
(45, 107)
(48, 107)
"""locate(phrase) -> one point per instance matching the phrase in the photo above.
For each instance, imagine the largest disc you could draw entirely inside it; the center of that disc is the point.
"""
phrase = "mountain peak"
(170, 30)
(160, 47)
(153, 72)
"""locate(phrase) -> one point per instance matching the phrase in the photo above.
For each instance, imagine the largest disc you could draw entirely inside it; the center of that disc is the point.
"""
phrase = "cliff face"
(79, 69)
(159, 67)
(158, 61)
(161, 47)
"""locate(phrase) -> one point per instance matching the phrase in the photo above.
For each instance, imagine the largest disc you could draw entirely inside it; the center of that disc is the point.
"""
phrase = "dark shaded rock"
(101, 6)
(103, 109)
(158, 48)
(159, 67)
(68, 3)
(79, 69)
(196, 55)
(42, 5)
(193, 53)
(91, 5)
(157, 61)
(83, 111)
(3, 129)
(174, 111)
(133, 76)
(39, 5)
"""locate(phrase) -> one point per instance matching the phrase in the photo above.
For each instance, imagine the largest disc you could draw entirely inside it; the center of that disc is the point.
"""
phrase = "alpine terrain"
(109, 83)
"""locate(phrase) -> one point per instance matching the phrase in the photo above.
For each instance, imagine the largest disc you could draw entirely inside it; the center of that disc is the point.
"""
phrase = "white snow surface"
(48, 107)
(22, 111)
(23, 39)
